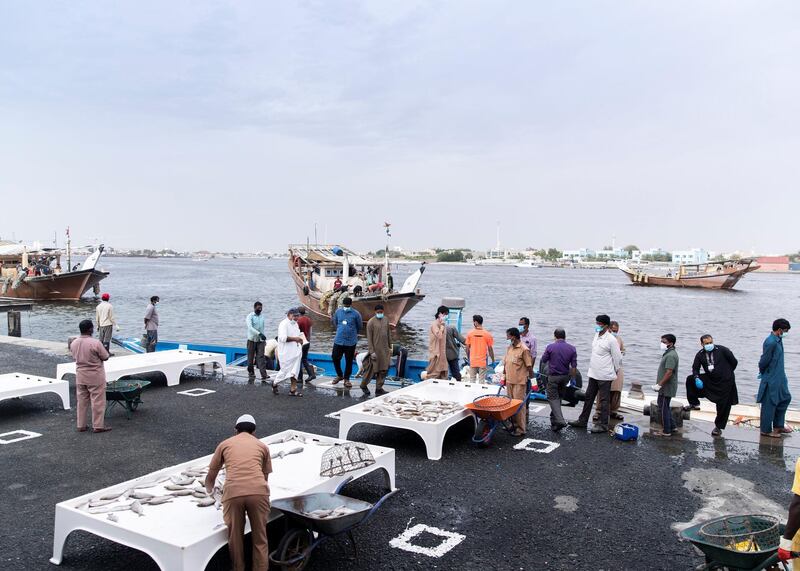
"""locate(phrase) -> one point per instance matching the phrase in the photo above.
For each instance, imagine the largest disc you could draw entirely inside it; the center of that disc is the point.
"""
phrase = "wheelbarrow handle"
(378, 504)
(343, 484)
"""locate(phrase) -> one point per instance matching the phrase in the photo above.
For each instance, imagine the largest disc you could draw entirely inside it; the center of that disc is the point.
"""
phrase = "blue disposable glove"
(759, 376)
(698, 382)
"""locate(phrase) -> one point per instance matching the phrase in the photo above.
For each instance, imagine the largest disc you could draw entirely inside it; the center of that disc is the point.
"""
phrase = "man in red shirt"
(304, 323)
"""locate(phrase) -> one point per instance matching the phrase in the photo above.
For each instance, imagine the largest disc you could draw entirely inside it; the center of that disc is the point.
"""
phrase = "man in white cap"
(246, 491)
(290, 353)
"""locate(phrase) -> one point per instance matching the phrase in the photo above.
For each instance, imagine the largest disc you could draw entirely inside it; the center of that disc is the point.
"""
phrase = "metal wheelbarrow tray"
(718, 557)
(296, 510)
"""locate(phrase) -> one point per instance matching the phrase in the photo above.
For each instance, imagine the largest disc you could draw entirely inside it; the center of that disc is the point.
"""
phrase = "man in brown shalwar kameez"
(90, 373)
(518, 368)
(379, 341)
(437, 346)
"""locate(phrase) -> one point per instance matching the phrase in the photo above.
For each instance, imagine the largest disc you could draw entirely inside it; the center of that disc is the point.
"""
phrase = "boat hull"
(712, 281)
(70, 286)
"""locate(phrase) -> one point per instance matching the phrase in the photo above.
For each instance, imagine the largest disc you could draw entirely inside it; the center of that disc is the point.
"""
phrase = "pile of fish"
(330, 514)
(190, 483)
(299, 438)
(412, 408)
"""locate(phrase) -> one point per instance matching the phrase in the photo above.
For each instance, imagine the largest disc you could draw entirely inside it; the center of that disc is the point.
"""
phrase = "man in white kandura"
(290, 353)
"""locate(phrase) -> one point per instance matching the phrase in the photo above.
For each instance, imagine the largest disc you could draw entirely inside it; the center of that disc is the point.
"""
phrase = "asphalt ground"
(592, 503)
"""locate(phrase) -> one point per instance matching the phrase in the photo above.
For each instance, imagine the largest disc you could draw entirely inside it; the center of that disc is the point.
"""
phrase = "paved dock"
(592, 502)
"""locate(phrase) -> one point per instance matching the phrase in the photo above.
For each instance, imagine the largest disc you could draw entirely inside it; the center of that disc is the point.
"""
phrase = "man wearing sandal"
(290, 353)
(667, 383)
(773, 392)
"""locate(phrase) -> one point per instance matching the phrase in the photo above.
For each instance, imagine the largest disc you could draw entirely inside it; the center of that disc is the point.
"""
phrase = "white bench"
(180, 536)
(172, 363)
(13, 385)
(432, 433)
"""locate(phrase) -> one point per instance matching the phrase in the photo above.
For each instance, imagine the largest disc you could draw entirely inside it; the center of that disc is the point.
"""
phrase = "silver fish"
(182, 492)
(182, 481)
(175, 487)
(112, 495)
(283, 453)
(158, 500)
(106, 509)
(98, 503)
(150, 483)
(205, 502)
(112, 517)
(197, 494)
(136, 507)
(140, 495)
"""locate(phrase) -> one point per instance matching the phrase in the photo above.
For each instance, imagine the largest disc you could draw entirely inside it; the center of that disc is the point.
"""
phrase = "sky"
(239, 126)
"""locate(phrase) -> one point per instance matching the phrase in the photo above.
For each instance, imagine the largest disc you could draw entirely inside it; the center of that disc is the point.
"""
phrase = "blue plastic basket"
(626, 432)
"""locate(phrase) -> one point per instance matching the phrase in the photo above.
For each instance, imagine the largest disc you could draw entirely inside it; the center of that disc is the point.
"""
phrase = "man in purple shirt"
(528, 339)
(562, 362)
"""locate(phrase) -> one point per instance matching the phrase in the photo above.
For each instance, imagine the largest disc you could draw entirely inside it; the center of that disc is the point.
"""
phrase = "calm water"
(208, 301)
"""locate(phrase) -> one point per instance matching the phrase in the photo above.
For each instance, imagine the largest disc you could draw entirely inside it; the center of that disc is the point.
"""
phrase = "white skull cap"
(246, 418)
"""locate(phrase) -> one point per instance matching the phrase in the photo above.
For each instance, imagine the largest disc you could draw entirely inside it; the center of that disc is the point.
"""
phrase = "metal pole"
(14, 324)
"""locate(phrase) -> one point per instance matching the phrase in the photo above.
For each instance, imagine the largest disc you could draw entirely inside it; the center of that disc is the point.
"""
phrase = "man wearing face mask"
(348, 323)
(379, 343)
(290, 353)
(480, 343)
(256, 341)
(604, 364)
(773, 392)
(437, 345)
(527, 338)
(517, 368)
(716, 382)
(667, 383)
(151, 324)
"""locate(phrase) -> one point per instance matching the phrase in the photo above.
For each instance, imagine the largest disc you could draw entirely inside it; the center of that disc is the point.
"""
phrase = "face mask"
(258, 312)
(614, 334)
(708, 347)
(521, 327)
(784, 334)
(663, 346)
(442, 317)
(347, 309)
(598, 328)
(379, 315)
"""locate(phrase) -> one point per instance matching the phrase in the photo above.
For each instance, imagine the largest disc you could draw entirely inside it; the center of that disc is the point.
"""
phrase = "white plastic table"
(13, 385)
(180, 536)
(432, 433)
(171, 363)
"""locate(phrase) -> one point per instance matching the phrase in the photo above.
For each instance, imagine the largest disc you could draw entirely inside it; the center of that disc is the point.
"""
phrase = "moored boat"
(37, 274)
(722, 274)
(325, 274)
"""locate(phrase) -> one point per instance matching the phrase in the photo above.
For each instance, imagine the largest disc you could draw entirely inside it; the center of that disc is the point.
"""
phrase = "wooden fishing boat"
(316, 269)
(37, 274)
(722, 274)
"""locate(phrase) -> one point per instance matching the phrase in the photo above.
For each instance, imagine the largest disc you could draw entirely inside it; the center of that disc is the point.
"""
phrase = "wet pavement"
(592, 502)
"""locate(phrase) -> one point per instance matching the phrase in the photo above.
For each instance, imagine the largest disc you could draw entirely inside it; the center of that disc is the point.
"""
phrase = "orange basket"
(494, 407)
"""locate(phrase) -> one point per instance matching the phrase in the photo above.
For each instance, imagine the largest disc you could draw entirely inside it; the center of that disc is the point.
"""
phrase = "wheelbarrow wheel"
(482, 430)
(295, 544)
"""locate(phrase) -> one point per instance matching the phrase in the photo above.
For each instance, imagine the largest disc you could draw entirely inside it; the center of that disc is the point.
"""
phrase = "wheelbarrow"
(492, 412)
(305, 532)
(738, 543)
(127, 394)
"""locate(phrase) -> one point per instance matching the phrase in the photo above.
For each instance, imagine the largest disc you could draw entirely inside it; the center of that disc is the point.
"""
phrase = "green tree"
(451, 256)
(553, 254)
(631, 248)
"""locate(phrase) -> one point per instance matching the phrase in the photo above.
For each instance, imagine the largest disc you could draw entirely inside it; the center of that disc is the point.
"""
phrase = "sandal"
(274, 389)
(784, 430)
(617, 416)
(770, 435)
(295, 394)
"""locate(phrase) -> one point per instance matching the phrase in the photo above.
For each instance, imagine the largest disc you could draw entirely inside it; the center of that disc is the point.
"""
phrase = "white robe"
(290, 353)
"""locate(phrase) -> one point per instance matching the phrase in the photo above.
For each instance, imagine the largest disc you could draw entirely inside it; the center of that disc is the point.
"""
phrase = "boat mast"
(69, 252)
(387, 227)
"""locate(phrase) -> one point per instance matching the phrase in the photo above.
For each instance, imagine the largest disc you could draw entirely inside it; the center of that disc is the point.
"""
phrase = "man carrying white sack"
(290, 353)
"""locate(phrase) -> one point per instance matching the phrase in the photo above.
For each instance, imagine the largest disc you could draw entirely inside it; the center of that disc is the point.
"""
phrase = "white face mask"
(663, 346)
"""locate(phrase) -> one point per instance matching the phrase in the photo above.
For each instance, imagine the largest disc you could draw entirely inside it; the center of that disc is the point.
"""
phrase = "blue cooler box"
(625, 432)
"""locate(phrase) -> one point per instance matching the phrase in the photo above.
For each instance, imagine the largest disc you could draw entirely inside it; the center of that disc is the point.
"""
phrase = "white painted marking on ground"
(567, 504)
(333, 415)
(526, 444)
(196, 392)
(451, 539)
(24, 435)
(535, 408)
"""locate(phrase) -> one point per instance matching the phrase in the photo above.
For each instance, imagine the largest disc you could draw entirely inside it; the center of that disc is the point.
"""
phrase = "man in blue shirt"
(347, 322)
(256, 341)
(773, 392)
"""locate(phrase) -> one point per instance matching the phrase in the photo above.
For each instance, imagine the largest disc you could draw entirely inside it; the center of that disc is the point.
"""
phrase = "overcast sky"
(239, 125)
